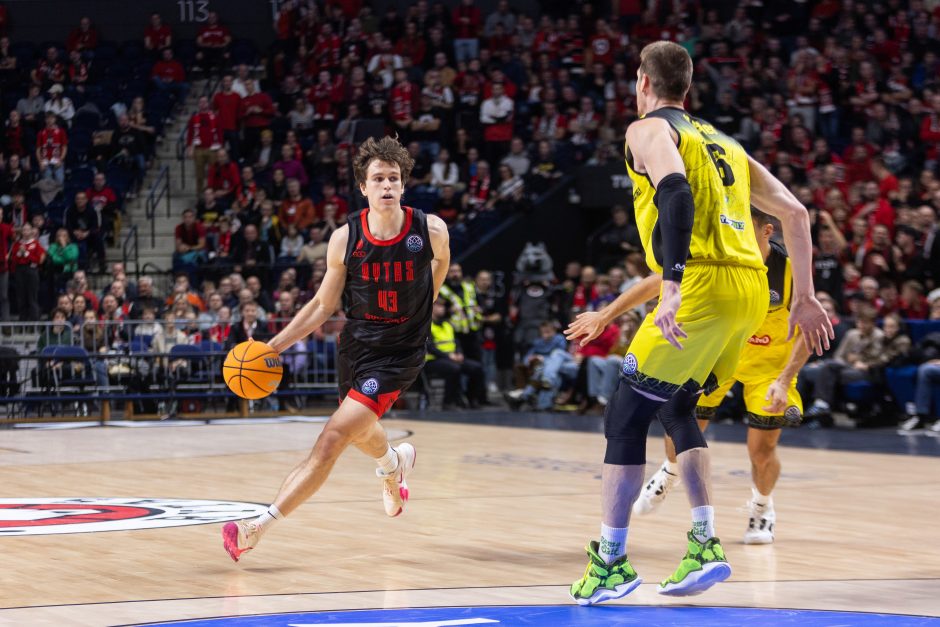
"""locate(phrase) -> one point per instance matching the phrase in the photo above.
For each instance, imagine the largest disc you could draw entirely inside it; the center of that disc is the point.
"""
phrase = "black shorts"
(376, 378)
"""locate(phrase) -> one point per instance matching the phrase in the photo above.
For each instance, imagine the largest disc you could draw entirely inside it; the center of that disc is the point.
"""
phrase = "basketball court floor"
(121, 526)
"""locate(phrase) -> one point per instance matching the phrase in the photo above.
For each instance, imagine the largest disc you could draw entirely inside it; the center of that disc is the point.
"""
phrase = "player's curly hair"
(387, 149)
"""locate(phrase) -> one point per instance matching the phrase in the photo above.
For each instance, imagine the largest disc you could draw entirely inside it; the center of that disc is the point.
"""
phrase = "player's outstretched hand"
(669, 302)
(808, 315)
(776, 398)
(586, 326)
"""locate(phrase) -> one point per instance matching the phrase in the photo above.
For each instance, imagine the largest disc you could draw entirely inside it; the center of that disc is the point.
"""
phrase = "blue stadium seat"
(902, 382)
(921, 328)
(132, 49)
(81, 177)
(859, 392)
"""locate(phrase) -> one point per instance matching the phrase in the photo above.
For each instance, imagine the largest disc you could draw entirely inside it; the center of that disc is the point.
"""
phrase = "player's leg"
(609, 574)
(762, 436)
(352, 422)
(667, 476)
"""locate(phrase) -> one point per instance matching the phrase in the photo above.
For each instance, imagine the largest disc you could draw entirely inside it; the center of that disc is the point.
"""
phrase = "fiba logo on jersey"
(414, 243)
(629, 364)
(775, 297)
(371, 386)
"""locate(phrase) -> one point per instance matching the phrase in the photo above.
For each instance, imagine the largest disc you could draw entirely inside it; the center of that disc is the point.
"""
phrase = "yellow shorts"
(755, 398)
(722, 306)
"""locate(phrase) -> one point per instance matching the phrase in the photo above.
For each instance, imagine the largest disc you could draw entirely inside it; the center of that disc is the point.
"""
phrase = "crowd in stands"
(839, 99)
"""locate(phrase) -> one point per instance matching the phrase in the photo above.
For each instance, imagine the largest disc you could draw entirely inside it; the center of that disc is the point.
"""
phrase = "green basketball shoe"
(703, 566)
(602, 581)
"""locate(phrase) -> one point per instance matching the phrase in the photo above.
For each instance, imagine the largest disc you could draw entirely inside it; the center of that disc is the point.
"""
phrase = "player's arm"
(777, 392)
(653, 145)
(771, 196)
(440, 244)
(591, 324)
(324, 303)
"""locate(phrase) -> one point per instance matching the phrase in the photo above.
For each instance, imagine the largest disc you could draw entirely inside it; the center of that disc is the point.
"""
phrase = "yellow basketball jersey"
(717, 170)
(768, 350)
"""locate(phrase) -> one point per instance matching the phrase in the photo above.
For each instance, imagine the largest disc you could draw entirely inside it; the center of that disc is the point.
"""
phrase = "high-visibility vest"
(443, 338)
(464, 314)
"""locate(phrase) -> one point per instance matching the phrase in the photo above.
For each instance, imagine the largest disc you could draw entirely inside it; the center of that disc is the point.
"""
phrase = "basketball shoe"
(703, 566)
(760, 527)
(603, 581)
(655, 491)
(394, 488)
(240, 537)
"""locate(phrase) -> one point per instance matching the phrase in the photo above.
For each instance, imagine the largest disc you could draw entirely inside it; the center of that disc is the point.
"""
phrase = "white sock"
(613, 544)
(388, 462)
(267, 519)
(759, 499)
(672, 467)
(703, 522)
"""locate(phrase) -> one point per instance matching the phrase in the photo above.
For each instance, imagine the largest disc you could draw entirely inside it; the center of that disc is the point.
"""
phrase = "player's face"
(383, 186)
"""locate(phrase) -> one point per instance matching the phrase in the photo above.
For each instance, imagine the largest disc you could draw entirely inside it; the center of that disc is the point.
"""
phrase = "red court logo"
(46, 516)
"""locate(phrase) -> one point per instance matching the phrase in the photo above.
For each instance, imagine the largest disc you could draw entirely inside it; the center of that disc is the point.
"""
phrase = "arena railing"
(159, 190)
(130, 252)
(109, 368)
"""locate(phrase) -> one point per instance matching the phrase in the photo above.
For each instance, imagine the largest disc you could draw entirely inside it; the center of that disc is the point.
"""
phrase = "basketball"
(252, 370)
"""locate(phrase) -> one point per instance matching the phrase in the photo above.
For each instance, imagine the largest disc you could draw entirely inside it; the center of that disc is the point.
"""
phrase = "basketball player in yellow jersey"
(693, 188)
(767, 368)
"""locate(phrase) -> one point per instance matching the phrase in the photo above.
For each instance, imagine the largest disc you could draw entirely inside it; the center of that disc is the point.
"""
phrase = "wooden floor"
(498, 516)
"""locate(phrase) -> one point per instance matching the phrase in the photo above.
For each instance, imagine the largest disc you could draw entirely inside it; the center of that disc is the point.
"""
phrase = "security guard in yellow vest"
(446, 360)
(466, 316)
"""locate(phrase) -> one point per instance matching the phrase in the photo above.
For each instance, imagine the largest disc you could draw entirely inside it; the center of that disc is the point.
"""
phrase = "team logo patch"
(775, 298)
(48, 516)
(793, 415)
(371, 386)
(414, 243)
(629, 364)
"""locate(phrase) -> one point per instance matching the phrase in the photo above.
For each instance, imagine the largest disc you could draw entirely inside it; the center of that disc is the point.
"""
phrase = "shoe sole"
(230, 541)
(603, 594)
(699, 581)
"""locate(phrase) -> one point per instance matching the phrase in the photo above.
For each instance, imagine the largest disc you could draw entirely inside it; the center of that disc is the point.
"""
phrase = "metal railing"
(159, 190)
(130, 251)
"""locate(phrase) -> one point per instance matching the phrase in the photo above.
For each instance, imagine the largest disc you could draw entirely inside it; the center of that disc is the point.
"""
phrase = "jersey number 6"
(717, 153)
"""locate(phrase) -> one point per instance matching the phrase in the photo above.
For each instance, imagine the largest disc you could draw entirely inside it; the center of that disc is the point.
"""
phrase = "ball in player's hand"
(252, 370)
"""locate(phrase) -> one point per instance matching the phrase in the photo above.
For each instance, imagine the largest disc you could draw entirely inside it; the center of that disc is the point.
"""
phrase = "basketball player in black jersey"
(388, 264)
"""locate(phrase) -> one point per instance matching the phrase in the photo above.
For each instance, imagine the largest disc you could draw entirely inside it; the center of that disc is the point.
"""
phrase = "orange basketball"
(252, 370)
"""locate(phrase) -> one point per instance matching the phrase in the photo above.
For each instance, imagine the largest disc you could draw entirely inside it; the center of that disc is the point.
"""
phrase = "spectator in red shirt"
(203, 139)
(49, 70)
(52, 146)
(296, 209)
(212, 44)
(874, 207)
(224, 179)
(327, 48)
(78, 71)
(105, 202)
(402, 100)
(467, 23)
(26, 258)
(256, 112)
(412, 45)
(83, 38)
(496, 115)
(227, 104)
(157, 35)
(168, 75)
(190, 239)
(930, 130)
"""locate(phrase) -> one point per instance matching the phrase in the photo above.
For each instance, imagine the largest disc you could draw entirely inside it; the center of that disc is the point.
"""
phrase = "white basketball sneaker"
(395, 488)
(655, 491)
(760, 527)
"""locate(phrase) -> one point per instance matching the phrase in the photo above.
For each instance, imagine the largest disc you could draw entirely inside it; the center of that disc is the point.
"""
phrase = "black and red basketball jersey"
(389, 286)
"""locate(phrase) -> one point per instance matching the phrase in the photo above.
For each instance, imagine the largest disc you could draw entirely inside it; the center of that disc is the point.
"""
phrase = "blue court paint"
(560, 615)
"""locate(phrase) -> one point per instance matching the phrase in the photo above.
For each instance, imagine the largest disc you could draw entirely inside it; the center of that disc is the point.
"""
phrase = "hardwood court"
(498, 516)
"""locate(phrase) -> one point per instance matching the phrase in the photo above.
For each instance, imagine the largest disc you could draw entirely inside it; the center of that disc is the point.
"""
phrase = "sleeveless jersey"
(389, 287)
(768, 349)
(717, 171)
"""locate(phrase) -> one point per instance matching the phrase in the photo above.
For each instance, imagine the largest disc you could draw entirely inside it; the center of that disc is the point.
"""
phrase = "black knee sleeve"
(626, 423)
(678, 419)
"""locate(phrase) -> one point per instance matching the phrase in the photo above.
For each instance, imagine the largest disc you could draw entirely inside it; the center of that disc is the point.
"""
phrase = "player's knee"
(678, 417)
(762, 452)
(331, 443)
(626, 423)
